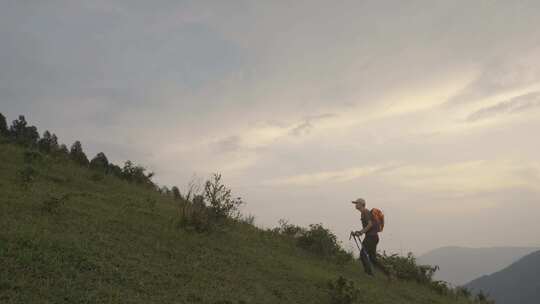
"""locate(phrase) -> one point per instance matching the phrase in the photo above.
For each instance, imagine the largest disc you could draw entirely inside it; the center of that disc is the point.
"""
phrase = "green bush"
(441, 287)
(319, 240)
(214, 205)
(315, 239)
(406, 268)
(194, 215)
(287, 229)
(220, 199)
(343, 291)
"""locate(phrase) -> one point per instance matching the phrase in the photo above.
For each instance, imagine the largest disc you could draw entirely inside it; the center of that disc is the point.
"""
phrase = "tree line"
(21, 133)
(203, 205)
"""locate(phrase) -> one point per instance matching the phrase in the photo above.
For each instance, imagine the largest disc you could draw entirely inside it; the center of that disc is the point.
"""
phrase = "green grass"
(110, 241)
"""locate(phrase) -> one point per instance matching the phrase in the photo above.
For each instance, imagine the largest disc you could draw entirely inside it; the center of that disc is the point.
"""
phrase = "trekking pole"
(352, 235)
(360, 249)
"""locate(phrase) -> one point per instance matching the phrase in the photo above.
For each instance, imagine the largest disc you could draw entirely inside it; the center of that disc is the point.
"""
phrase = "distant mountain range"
(460, 265)
(519, 283)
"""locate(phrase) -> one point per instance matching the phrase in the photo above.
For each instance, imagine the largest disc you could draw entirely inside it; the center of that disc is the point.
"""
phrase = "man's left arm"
(366, 229)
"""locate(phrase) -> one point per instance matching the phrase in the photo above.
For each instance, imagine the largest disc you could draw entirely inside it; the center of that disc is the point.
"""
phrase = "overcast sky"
(430, 110)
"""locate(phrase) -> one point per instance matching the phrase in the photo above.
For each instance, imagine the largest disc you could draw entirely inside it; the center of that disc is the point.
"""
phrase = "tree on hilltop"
(77, 154)
(54, 143)
(3, 126)
(136, 173)
(63, 151)
(100, 162)
(22, 133)
(47, 143)
(115, 170)
(18, 127)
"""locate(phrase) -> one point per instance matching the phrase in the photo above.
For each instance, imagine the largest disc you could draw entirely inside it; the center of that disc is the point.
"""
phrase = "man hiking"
(371, 227)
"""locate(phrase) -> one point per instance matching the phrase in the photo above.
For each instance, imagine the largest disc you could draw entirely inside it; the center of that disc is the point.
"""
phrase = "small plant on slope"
(343, 291)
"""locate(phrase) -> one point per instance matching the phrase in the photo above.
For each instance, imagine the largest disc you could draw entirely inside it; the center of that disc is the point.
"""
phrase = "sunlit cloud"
(336, 176)
(529, 101)
(468, 177)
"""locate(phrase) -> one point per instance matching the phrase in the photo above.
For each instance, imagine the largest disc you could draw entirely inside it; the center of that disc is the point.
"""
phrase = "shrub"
(441, 287)
(220, 199)
(315, 239)
(343, 257)
(406, 268)
(215, 204)
(194, 215)
(343, 291)
(319, 240)
(287, 229)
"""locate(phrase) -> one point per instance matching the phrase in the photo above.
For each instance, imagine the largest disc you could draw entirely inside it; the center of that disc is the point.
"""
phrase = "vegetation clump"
(406, 268)
(343, 291)
(27, 136)
(201, 210)
(315, 239)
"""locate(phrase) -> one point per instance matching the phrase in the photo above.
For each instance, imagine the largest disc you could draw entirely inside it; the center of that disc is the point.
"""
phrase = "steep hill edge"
(68, 235)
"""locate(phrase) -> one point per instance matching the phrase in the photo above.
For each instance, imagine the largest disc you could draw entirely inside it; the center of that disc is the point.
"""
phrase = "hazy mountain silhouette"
(519, 283)
(460, 265)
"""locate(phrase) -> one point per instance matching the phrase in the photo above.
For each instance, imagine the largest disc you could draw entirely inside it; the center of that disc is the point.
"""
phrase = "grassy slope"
(112, 242)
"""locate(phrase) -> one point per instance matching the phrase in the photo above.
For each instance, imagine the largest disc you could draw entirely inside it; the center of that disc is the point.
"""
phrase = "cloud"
(228, 144)
(305, 127)
(455, 178)
(467, 177)
(515, 105)
(335, 176)
(500, 75)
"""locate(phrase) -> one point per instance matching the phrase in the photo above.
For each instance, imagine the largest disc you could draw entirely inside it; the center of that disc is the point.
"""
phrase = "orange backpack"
(378, 216)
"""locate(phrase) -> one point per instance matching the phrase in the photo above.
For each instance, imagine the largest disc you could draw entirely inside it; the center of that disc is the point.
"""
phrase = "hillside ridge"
(70, 233)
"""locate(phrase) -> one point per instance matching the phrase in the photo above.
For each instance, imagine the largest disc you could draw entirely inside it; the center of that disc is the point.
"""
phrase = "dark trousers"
(368, 255)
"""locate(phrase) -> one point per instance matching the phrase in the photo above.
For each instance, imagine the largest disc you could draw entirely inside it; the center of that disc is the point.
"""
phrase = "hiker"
(371, 228)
